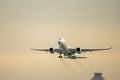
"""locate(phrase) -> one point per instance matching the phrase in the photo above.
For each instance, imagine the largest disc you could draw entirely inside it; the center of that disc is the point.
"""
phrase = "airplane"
(66, 50)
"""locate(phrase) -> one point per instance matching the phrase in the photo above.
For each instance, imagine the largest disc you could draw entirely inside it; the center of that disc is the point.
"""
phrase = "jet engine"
(51, 50)
(78, 50)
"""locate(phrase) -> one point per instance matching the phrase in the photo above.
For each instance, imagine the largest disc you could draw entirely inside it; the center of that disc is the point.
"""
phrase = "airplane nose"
(60, 41)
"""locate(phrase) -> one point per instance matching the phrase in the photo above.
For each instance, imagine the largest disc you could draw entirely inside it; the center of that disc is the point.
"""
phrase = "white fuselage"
(63, 46)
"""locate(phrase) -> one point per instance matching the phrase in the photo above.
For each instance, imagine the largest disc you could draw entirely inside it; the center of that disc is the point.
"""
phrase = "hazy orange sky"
(26, 24)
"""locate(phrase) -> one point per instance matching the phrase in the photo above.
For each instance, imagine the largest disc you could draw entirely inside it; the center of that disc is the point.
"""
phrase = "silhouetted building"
(97, 76)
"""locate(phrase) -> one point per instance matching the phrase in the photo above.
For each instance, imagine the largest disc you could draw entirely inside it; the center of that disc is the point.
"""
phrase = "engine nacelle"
(51, 50)
(78, 50)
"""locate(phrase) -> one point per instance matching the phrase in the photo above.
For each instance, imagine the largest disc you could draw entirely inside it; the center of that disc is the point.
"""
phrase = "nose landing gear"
(60, 56)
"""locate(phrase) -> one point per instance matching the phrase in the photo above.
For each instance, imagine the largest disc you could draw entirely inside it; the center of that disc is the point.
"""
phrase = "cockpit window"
(60, 38)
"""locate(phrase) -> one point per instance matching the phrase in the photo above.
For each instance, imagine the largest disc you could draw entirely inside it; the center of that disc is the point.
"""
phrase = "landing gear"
(73, 57)
(60, 56)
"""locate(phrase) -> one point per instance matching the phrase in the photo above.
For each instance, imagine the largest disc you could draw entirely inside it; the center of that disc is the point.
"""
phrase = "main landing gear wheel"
(73, 57)
(59, 56)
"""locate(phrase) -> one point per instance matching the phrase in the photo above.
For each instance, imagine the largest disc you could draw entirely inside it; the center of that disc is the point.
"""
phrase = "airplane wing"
(40, 49)
(58, 50)
(87, 50)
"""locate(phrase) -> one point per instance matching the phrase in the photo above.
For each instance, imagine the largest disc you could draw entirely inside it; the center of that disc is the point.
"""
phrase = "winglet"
(110, 48)
(32, 49)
